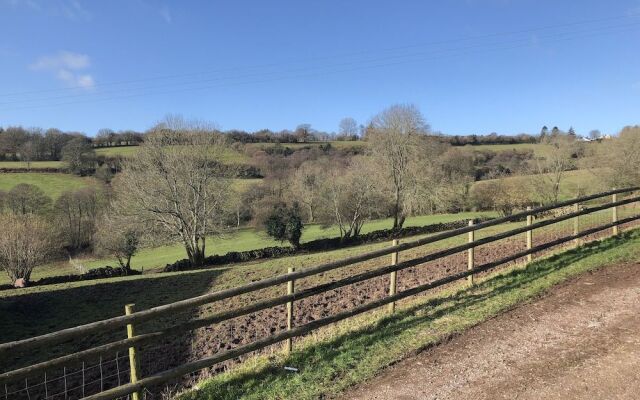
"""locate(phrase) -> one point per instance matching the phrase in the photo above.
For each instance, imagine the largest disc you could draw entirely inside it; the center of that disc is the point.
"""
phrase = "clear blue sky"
(471, 66)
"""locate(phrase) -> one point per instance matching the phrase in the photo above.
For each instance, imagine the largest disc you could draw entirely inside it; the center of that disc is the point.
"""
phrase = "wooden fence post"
(393, 278)
(470, 252)
(133, 357)
(576, 224)
(529, 235)
(614, 213)
(288, 345)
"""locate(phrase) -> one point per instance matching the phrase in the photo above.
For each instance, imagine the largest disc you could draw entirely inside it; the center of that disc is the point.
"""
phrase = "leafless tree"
(550, 169)
(348, 127)
(176, 186)
(25, 198)
(394, 140)
(75, 213)
(503, 194)
(27, 152)
(350, 196)
(306, 185)
(118, 237)
(25, 242)
(622, 157)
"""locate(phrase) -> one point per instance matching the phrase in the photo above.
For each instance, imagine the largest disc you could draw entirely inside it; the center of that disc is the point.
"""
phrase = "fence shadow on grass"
(337, 358)
(30, 314)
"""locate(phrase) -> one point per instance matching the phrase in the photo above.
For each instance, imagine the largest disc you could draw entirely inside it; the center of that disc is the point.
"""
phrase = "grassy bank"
(357, 350)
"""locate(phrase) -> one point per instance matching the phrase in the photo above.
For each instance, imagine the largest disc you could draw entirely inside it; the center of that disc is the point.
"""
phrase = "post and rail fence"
(133, 343)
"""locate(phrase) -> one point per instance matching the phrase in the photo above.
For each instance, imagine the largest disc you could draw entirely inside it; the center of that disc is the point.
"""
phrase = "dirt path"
(582, 341)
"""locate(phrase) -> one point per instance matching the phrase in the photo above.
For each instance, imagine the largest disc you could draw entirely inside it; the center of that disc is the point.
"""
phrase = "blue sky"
(471, 66)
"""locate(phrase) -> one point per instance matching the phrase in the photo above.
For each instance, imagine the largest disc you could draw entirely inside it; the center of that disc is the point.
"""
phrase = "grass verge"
(356, 350)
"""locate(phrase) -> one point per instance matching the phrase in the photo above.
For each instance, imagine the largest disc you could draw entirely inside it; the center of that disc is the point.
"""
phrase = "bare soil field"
(581, 341)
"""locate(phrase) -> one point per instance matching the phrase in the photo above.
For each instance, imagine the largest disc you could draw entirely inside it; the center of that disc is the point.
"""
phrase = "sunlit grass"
(230, 155)
(356, 350)
(53, 184)
(33, 165)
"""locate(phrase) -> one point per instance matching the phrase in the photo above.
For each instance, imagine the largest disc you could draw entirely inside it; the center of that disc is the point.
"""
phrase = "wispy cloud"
(165, 13)
(67, 67)
(70, 9)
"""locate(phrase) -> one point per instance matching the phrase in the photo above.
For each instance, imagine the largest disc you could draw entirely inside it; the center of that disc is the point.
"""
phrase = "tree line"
(179, 189)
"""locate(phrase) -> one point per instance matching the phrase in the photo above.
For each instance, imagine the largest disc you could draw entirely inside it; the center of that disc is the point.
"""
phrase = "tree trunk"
(311, 219)
(401, 221)
(396, 210)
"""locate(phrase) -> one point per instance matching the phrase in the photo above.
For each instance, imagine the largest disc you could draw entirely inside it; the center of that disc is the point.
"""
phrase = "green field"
(242, 240)
(538, 149)
(250, 239)
(53, 184)
(34, 164)
(573, 183)
(358, 144)
(231, 156)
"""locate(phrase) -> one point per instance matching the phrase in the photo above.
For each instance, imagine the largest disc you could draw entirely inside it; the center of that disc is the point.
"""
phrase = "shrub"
(285, 223)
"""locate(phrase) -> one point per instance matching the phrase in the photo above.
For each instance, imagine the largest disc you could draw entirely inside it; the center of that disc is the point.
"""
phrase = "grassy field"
(231, 156)
(244, 239)
(573, 184)
(538, 149)
(53, 184)
(338, 144)
(34, 164)
(356, 350)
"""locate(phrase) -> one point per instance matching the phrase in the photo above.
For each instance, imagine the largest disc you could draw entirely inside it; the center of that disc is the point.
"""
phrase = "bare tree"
(350, 196)
(25, 198)
(177, 186)
(75, 214)
(394, 136)
(27, 152)
(306, 185)
(25, 242)
(622, 157)
(348, 127)
(595, 134)
(118, 237)
(550, 169)
(503, 194)
(79, 156)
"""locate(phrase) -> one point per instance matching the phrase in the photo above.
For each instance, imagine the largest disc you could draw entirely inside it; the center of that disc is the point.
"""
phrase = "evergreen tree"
(285, 223)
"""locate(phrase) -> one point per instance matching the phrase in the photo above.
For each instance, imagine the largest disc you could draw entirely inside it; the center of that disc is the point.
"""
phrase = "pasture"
(231, 156)
(241, 240)
(573, 183)
(34, 165)
(53, 184)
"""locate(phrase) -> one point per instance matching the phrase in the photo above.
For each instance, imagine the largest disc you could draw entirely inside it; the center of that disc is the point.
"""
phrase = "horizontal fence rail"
(137, 385)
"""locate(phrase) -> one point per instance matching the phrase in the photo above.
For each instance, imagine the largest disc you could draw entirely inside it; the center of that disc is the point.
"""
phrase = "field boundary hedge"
(334, 243)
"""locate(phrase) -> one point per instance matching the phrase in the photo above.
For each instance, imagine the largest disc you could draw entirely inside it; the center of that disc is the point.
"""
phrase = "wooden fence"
(597, 202)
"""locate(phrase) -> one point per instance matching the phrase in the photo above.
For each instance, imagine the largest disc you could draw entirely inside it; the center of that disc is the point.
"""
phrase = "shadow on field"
(30, 314)
(323, 363)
